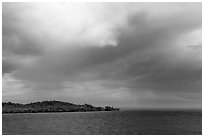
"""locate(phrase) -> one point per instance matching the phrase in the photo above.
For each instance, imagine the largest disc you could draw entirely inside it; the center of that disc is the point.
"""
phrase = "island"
(51, 106)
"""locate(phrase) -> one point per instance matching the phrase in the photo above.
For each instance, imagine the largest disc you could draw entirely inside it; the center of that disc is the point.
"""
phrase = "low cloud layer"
(139, 55)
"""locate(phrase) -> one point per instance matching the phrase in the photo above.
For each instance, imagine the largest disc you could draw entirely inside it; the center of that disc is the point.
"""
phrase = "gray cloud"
(145, 60)
(7, 67)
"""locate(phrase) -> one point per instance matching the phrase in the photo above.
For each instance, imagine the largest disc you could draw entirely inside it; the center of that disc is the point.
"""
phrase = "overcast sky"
(138, 55)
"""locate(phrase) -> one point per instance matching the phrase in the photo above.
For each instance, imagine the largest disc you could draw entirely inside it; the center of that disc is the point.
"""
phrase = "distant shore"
(51, 106)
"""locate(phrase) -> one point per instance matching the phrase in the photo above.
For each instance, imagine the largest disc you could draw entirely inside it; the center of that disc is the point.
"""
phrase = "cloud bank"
(140, 55)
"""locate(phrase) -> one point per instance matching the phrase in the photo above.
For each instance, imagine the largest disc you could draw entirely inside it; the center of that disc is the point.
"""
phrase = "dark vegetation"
(51, 106)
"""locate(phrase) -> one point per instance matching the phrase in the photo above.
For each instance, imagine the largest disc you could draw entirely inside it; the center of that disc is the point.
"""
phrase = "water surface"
(104, 123)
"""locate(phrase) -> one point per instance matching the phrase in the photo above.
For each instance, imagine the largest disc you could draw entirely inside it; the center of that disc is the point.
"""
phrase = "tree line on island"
(51, 106)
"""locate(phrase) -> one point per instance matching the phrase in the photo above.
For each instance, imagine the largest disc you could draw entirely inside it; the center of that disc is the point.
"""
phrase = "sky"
(127, 55)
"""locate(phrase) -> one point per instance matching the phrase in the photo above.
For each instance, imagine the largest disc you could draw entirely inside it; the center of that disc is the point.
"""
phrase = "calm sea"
(105, 123)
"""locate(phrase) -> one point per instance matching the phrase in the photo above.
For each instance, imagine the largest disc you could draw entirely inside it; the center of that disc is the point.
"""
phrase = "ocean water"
(104, 123)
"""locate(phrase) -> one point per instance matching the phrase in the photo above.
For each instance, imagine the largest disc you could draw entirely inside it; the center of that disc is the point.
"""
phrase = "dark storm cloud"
(7, 67)
(162, 79)
(21, 46)
(14, 39)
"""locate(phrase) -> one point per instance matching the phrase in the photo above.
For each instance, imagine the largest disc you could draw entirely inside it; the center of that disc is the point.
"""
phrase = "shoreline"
(139, 110)
(59, 112)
